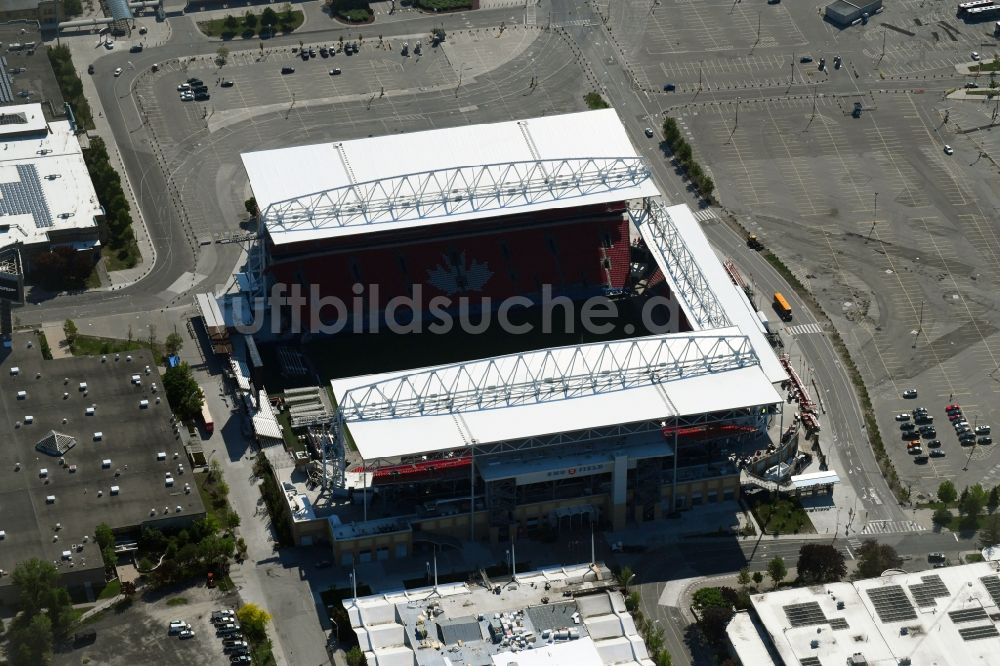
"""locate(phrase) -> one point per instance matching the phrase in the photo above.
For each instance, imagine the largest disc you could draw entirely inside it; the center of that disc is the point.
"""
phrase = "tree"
(355, 657)
(758, 578)
(251, 206)
(820, 563)
(777, 570)
(993, 501)
(250, 20)
(183, 393)
(713, 623)
(70, 331)
(152, 336)
(35, 579)
(231, 22)
(946, 492)
(268, 18)
(625, 576)
(71, 8)
(942, 517)
(104, 536)
(173, 343)
(30, 642)
(744, 578)
(222, 54)
(874, 558)
(971, 504)
(989, 534)
(707, 597)
(232, 520)
(254, 620)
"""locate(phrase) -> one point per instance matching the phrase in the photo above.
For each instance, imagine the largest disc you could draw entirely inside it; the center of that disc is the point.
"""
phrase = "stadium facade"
(615, 431)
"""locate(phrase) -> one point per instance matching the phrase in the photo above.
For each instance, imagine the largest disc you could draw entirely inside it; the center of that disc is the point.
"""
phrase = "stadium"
(442, 435)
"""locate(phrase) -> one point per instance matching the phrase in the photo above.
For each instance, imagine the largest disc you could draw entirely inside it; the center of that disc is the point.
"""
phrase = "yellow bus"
(782, 307)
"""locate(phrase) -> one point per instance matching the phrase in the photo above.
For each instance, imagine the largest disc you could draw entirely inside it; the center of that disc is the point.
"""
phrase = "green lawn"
(119, 260)
(176, 601)
(213, 506)
(985, 67)
(595, 101)
(92, 345)
(111, 590)
(783, 516)
(988, 93)
(218, 27)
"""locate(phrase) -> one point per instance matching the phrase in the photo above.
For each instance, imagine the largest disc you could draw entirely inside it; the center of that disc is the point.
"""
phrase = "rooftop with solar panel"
(946, 617)
(46, 195)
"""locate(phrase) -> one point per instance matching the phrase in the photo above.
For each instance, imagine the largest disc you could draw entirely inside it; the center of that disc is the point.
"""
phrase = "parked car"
(924, 419)
(287, 70)
(187, 633)
(910, 393)
(902, 417)
(184, 86)
(195, 81)
(915, 451)
(805, 59)
(202, 97)
(937, 453)
(649, 132)
(930, 433)
(934, 443)
(983, 430)
(921, 460)
(911, 435)
(118, 72)
(90, 68)
(907, 426)
(239, 659)
(985, 440)
(669, 87)
(971, 84)
(952, 407)
(227, 84)
(334, 71)
(975, 55)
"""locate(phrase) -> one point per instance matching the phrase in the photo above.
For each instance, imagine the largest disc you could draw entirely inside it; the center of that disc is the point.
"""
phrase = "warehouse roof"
(444, 170)
(96, 402)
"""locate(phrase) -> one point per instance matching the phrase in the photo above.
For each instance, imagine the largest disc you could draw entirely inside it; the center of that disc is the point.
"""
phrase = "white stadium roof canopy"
(456, 174)
(551, 391)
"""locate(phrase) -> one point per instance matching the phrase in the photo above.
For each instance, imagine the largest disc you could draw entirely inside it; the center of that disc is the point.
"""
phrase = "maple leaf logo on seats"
(453, 277)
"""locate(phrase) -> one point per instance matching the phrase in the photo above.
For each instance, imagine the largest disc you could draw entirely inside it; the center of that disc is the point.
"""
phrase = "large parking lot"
(898, 239)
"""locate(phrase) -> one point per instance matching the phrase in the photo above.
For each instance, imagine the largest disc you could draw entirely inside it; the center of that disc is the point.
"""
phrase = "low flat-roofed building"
(79, 450)
(525, 621)
(46, 196)
(845, 13)
(945, 616)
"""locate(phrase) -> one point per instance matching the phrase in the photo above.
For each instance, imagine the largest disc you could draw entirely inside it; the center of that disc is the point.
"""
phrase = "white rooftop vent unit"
(3, 535)
(147, 369)
(169, 481)
(136, 379)
(104, 359)
(89, 411)
(114, 490)
(162, 455)
(15, 371)
(21, 395)
(128, 358)
(50, 499)
(67, 555)
(83, 386)
(179, 508)
(28, 419)
(143, 404)
(98, 436)
(814, 644)
(106, 463)
(43, 472)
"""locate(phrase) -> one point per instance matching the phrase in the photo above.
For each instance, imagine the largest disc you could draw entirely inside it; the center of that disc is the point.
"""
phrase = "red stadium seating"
(498, 263)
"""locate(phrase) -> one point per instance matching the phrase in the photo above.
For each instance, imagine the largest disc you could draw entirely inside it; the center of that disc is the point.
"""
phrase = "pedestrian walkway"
(706, 214)
(892, 527)
(803, 329)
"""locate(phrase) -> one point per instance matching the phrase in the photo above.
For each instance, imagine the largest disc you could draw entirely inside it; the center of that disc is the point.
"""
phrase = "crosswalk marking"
(706, 214)
(802, 329)
(892, 527)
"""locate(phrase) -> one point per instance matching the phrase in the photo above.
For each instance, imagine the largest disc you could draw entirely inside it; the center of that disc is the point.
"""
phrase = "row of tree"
(116, 227)
(971, 503)
(183, 393)
(652, 633)
(685, 157)
(274, 498)
(70, 85)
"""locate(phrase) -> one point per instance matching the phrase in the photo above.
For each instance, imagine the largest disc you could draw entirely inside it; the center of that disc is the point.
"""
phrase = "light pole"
(874, 218)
